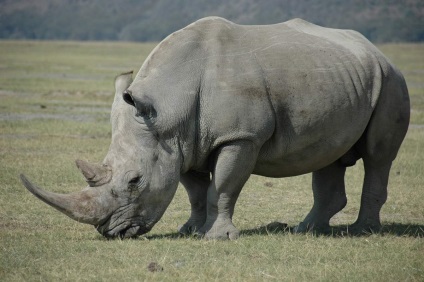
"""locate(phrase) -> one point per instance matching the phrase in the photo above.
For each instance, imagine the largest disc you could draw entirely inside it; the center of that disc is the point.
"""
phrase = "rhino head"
(129, 192)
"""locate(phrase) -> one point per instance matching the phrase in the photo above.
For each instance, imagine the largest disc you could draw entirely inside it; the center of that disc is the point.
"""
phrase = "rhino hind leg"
(234, 164)
(374, 195)
(379, 147)
(329, 198)
(196, 185)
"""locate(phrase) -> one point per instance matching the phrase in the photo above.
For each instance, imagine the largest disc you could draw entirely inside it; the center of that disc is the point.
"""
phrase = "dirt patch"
(416, 126)
(32, 116)
(32, 136)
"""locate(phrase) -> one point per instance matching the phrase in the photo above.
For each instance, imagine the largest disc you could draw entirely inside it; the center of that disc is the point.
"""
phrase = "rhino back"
(304, 93)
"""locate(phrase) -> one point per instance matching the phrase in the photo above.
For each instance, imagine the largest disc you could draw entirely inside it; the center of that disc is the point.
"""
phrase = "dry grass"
(54, 104)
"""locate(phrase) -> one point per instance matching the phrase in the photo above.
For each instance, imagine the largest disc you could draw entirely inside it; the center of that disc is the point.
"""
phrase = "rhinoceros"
(216, 102)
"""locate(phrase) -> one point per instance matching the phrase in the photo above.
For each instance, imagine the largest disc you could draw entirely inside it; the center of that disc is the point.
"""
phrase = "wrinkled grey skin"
(216, 102)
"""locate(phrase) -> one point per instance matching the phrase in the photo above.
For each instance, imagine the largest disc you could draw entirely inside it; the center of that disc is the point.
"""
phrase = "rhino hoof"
(311, 227)
(364, 229)
(188, 229)
(231, 233)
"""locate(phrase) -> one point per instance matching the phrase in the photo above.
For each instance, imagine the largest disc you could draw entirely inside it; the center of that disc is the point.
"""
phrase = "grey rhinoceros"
(216, 102)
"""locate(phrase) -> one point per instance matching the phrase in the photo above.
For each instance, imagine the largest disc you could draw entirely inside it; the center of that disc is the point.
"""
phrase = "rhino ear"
(122, 82)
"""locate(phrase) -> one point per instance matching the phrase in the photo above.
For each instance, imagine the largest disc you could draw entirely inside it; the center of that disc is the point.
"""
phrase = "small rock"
(154, 267)
(268, 184)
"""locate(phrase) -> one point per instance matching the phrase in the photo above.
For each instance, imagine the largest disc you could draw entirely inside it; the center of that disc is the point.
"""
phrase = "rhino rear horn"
(95, 175)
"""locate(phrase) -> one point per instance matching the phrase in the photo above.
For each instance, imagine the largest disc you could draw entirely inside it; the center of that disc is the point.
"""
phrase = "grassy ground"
(55, 99)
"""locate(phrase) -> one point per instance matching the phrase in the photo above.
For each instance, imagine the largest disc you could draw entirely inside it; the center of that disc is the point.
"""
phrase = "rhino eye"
(134, 181)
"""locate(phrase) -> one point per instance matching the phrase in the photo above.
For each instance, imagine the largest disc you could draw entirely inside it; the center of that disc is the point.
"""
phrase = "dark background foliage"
(152, 20)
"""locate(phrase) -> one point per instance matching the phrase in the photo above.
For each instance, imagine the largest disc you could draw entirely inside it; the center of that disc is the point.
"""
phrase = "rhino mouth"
(125, 233)
(132, 232)
(129, 231)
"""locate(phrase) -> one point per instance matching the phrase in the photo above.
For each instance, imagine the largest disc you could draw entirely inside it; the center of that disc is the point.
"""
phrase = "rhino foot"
(304, 227)
(219, 230)
(359, 228)
(190, 227)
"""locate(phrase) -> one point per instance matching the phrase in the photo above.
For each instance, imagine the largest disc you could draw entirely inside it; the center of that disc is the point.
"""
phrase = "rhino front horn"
(95, 175)
(88, 206)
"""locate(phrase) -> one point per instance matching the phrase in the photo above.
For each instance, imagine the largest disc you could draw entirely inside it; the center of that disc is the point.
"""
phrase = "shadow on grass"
(394, 229)
(407, 230)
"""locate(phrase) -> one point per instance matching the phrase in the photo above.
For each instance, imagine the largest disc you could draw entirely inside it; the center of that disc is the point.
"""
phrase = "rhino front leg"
(196, 185)
(329, 198)
(234, 164)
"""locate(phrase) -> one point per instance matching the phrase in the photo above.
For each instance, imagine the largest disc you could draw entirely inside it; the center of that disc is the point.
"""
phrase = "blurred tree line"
(152, 20)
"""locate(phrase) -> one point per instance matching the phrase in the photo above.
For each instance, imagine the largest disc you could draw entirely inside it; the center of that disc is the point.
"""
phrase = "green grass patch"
(55, 100)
